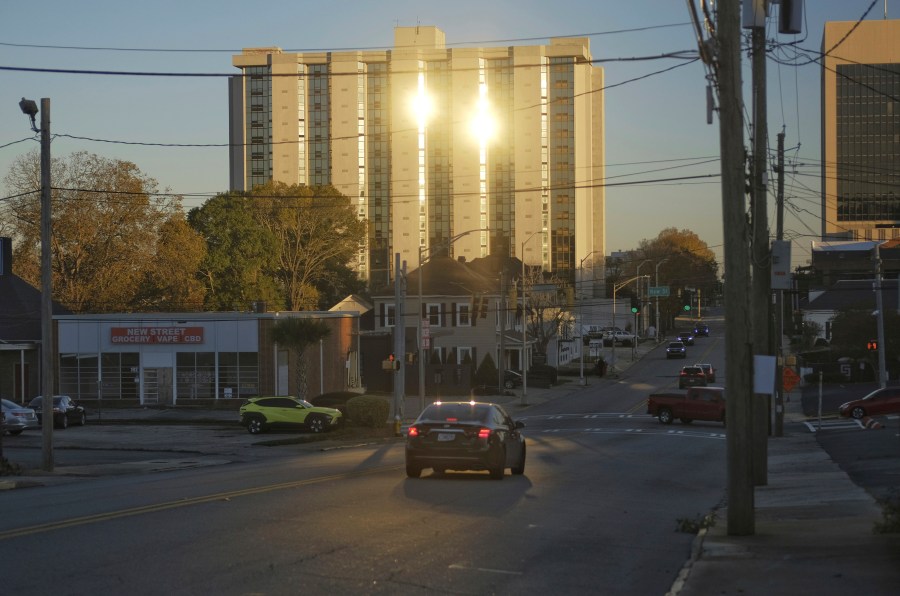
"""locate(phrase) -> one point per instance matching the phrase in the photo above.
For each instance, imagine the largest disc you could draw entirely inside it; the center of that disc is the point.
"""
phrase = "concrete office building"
(861, 130)
(430, 142)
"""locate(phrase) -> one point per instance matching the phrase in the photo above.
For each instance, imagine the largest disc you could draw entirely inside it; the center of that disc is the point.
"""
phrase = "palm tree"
(298, 334)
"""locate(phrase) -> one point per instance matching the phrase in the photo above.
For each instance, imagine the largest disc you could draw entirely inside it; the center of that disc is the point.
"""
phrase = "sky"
(656, 127)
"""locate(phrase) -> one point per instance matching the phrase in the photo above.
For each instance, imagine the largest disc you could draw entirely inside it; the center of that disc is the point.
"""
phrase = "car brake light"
(413, 432)
(452, 419)
(484, 433)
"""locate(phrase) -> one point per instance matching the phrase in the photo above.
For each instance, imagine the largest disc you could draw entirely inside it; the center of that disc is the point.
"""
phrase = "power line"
(347, 49)
(681, 54)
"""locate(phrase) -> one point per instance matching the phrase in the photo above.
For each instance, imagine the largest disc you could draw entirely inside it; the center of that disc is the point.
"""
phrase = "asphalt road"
(597, 510)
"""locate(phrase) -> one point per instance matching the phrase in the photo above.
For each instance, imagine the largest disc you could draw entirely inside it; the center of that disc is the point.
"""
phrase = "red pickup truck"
(698, 403)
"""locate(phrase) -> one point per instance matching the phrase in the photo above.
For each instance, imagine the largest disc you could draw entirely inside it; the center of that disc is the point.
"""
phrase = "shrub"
(8, 468)
(365, 410)
(487, 372)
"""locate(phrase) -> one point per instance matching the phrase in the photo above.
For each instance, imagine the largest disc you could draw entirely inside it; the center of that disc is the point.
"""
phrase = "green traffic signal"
(634, 309)
(687, 307)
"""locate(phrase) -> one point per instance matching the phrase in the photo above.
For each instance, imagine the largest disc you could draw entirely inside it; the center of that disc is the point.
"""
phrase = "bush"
(365, 410)
(8, 468)
(487, 372)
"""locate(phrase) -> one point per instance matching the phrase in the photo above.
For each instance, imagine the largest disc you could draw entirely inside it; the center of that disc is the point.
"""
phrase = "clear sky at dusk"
(655, 108)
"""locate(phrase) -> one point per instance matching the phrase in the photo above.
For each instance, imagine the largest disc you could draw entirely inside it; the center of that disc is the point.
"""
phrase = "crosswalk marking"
(814, 425)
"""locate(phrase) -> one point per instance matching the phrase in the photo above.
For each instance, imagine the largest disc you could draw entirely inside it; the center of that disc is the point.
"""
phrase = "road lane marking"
(224, 496)
(643, 431)
(484, 569)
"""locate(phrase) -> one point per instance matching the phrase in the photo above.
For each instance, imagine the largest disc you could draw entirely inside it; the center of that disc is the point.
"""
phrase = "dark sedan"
(676, 349)
(687, 338)
(465, 436)
(65, 411)
(877, 403)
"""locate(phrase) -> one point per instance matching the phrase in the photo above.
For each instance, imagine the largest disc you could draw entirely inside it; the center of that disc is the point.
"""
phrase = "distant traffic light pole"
(616, 288)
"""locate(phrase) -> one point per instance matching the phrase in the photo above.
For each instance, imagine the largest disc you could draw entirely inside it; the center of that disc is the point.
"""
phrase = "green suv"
(263, 413)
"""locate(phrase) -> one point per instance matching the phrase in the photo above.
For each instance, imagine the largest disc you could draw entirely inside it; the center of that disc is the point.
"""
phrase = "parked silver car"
(17, 418)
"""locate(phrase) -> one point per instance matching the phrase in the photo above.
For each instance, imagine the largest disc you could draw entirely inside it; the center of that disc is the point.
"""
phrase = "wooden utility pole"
(762, 268)
(738, 353)
(47, 345)
(779, 302)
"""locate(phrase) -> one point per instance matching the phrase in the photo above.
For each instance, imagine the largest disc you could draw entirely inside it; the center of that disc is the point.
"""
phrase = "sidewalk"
(813, 532)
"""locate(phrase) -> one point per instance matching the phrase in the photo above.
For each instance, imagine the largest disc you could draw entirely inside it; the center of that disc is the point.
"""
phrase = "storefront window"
(78, 375)
(238, 374)
(195, 375)
(120, 375)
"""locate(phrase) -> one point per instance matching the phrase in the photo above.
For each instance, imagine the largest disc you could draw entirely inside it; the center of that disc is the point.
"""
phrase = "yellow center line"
(89, 519)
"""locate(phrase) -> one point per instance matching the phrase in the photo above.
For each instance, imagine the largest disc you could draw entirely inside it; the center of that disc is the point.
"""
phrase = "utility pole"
(779, 301)
(501, 315)
(399, 342)
(738, 353)
(761, 293)
(30, 109)
(879, 305)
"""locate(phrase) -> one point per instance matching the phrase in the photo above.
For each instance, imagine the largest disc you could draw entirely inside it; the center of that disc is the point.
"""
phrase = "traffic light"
(390, 363)
(687, 307)
(635, 310)
(872, 344)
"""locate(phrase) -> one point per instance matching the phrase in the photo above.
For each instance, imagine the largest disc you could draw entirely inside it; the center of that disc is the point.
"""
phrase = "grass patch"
(8, 468)
(695, 524)
(890, 509)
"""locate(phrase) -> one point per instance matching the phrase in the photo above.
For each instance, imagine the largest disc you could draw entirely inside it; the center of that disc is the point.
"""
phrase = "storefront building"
(171, 359)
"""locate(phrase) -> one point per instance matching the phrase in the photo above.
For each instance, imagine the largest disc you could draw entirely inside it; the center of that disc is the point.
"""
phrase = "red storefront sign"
(156, 335)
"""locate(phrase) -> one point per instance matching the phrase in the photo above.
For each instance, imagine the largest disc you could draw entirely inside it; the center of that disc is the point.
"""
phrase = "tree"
(241, 261)
(690, 266)
(548, 308)
(107, 221)
(171, 282)
(291, 246)
(318, 234)
(298, 334)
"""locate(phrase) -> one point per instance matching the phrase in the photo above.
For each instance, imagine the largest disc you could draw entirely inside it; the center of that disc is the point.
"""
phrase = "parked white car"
(620, 337)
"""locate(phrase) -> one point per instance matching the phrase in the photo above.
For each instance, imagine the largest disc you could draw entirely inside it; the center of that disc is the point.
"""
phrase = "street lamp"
(524, 362)
(658, 326)
(30, 109)
(616, 288)
(422, 261)
(581, 380)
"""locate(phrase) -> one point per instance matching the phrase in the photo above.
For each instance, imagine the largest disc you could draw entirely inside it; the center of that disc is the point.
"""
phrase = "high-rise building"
(861, 130)
(490, 150)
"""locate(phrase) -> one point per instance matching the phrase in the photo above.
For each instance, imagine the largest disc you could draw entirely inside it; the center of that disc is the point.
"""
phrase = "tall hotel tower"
(861, 130)
(490, 151)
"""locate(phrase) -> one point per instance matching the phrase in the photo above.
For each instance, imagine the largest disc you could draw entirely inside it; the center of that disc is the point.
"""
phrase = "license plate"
(442, 437)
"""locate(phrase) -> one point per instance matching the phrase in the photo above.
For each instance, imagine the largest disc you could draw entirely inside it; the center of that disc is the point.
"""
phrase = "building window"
(238, 374)
(390, 311)
(433, 313)
(195, 375)
(464, 315)
(463, 353)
